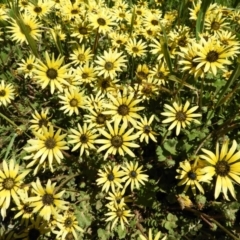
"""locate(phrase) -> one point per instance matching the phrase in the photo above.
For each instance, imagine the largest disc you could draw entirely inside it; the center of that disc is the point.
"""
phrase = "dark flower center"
(181, 116)
(119, 41)
(135, 49)
(147, 129)
(28, 28)
(142, 74)
(133, 174)
(192, 175)
(50, 143)
(81, 57)
(68, 222)
(29, 67)
(8, 183)
(75, 11)
(222, 168)
(37, 9)
(160, 75)
(110, 176)
(215, 25)
(154, 22)
(47, 199)
(69, 236)
(182, 41)
(105, 84)
(225, 42)
(85, 75)
(73, 102)
(83, 138)
(52, 73)
(101, 21)
(147, 89)
(212, 56)
(117, 141)
(150, 32)
(119, 213)
(83, 30)
(42, 122)
(33, 234)
(109, 66)
(123, 110)
(2, 93)
(27, 208)
(122, 15)
(100, 118)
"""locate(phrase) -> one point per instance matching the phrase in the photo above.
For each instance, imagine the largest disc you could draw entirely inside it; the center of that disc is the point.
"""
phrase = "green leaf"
(170, 146)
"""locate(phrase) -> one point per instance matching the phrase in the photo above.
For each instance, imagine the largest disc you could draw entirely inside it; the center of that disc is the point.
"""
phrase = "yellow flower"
(81, 30)
(136, 49)
(117, 213)
(26, 66)
(85, 74)
(225, 166)
(10, 185)
(81, 55)
(123, 107)
(72, 100)
(191, 176)
(47, 200)
(150, 236)
(40, 9)
(117, 197)
(32, 26)
(67, 225)
(40, 120)
(83, 138)
(51, 73)
(133, 175)
(212, 56)
(6, 93)
(180, 115)
(102, 21)
(118, 140)
(48, 145)
(145, 130)
(110, 177)
(110, 63)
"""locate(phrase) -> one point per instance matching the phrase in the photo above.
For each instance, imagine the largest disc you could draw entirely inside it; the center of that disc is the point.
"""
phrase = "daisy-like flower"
(81, 55)
(81, 30)
(142, 71)
(152, 21)
(47, 201)
(48, 145)
(67, 224)
(117, 197)
(160, 72)
(118, 213)
(123, 107)
(72, 100)
(40, 120)
(145, 130)
(106, 85)
(41, 9)
(6, 93)
(133, 175)
(110, 178)
(51, 73)
(118, 140)
(216, 22)
(190, 176)
(225, 166)
(180, 115)
(83, 138)
(136, 49)
(38, 227)
(118, 39)
(110, 63)
(31, 26)
(212, 56)
(150, 236)
(23, 208)
(26, 66)
(10, 182)
(97, 118)
(85, 74)
(102, 21)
